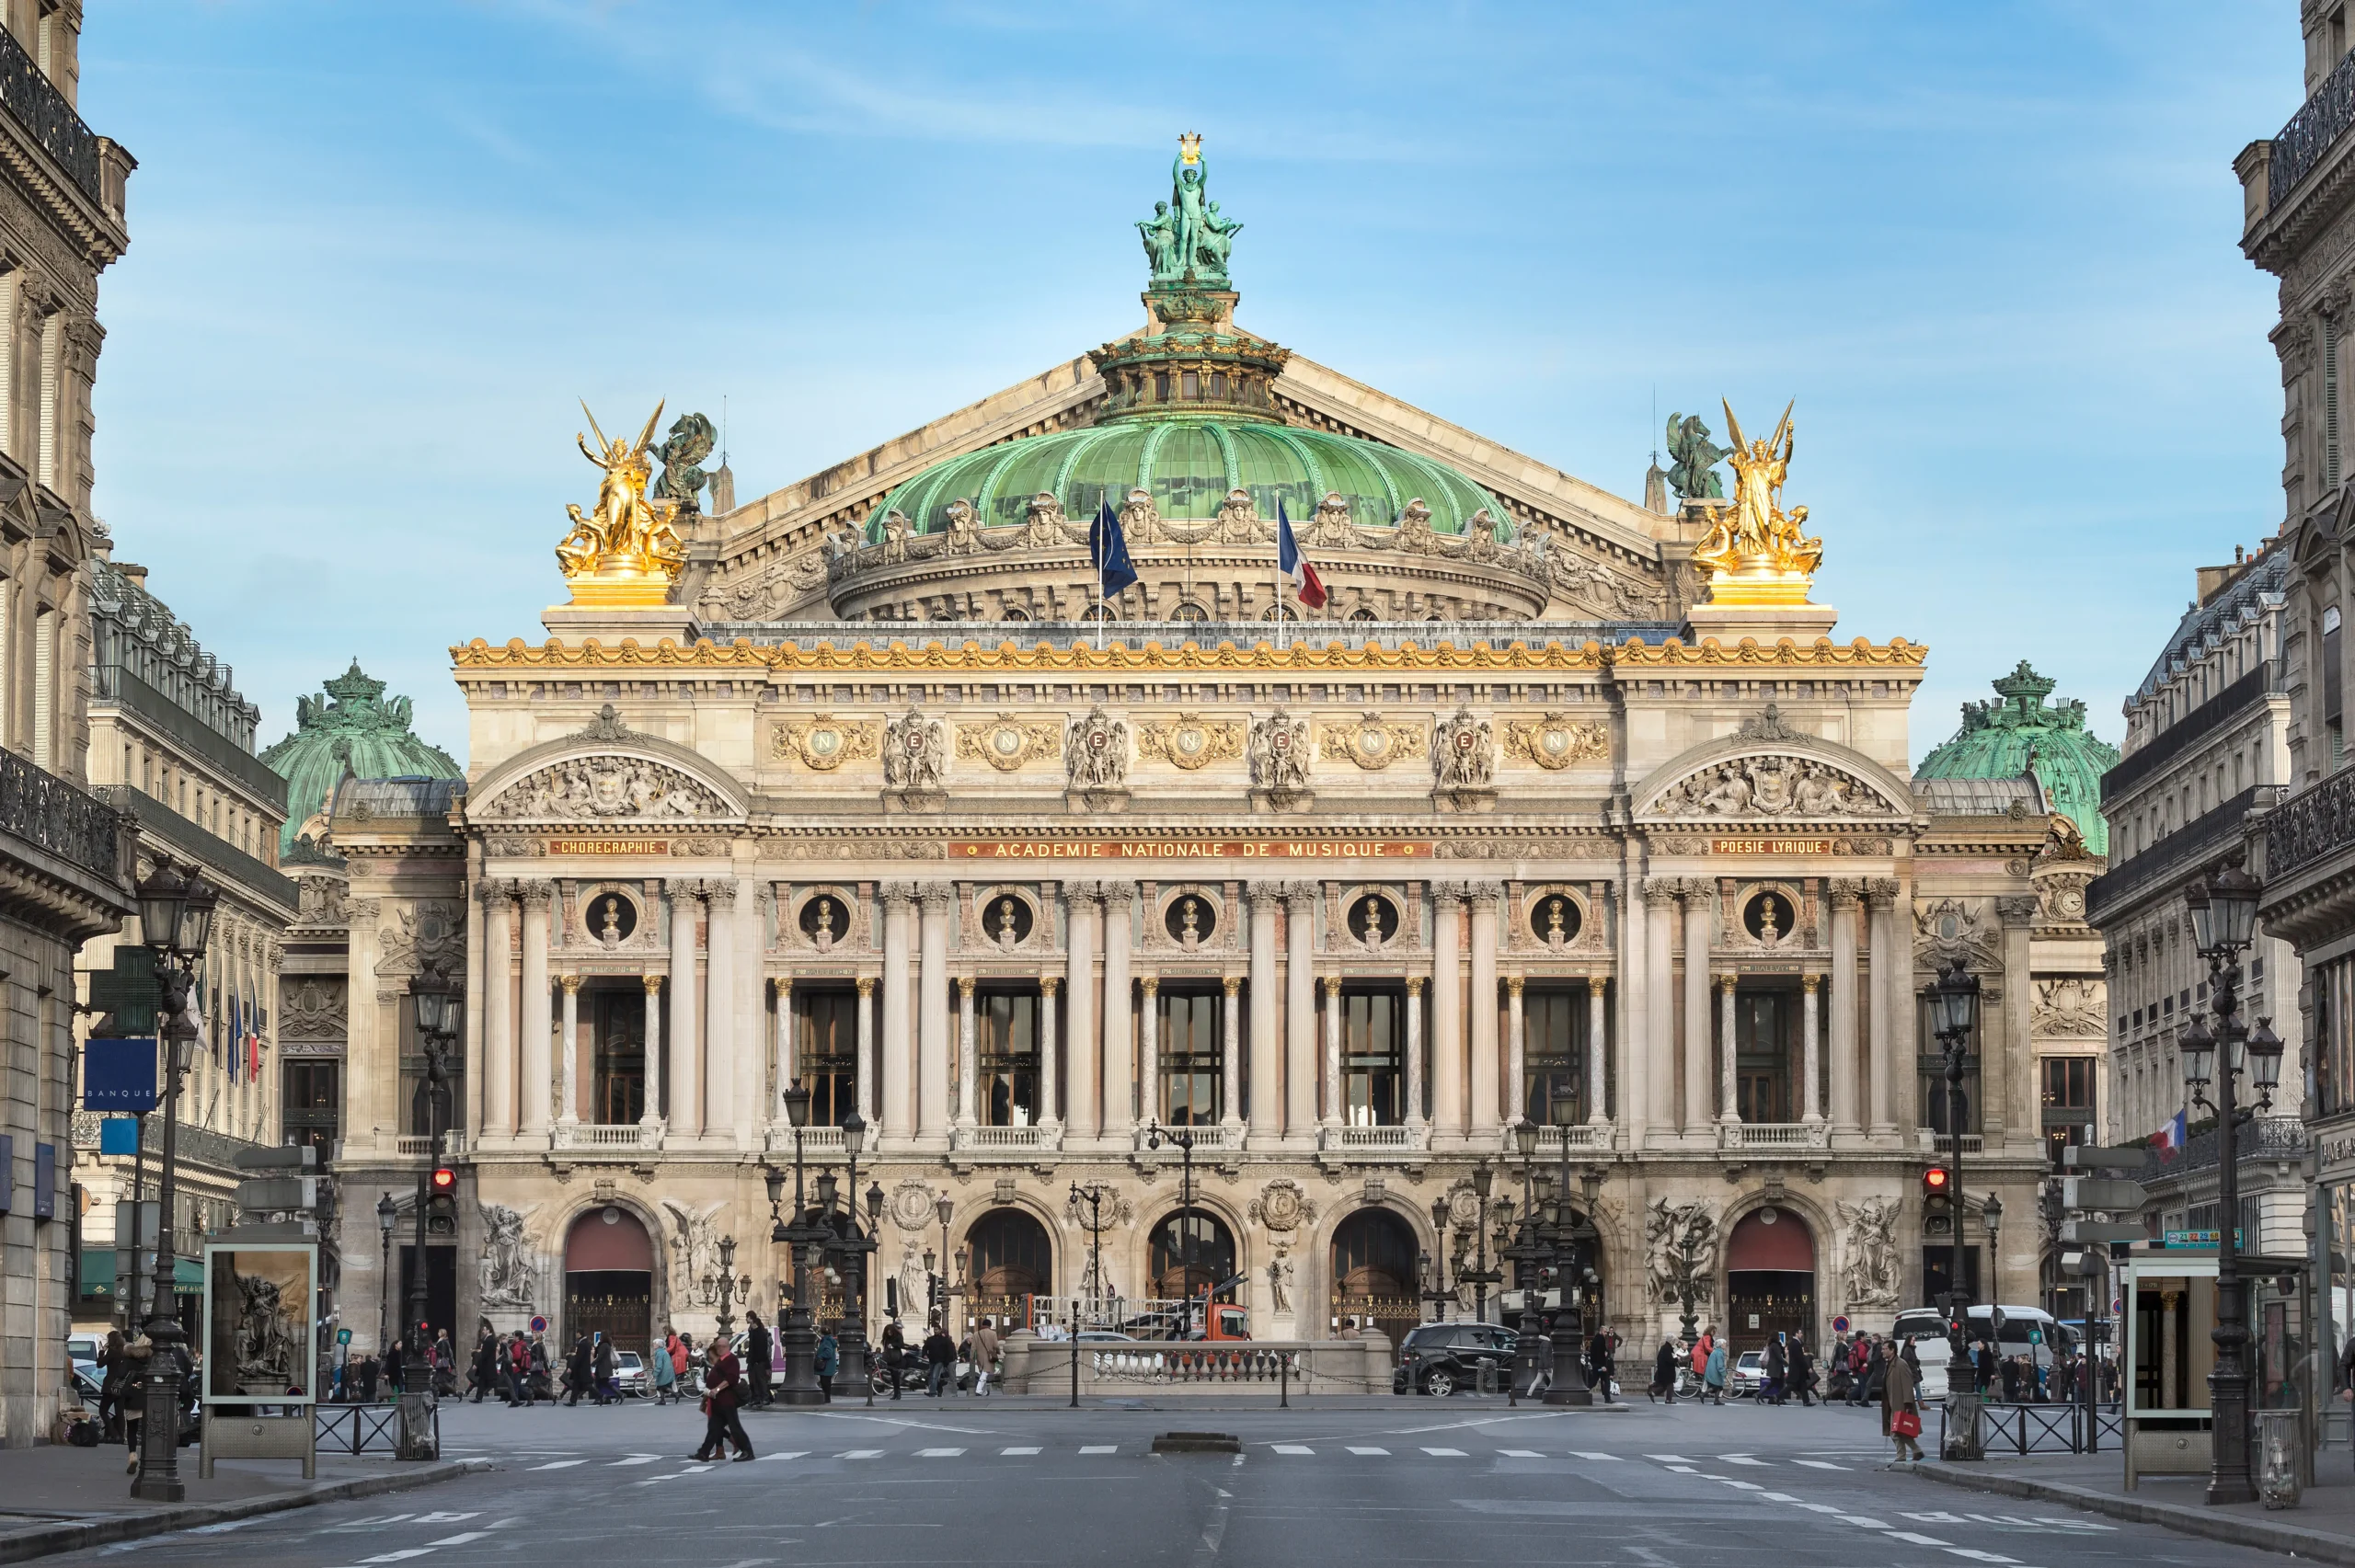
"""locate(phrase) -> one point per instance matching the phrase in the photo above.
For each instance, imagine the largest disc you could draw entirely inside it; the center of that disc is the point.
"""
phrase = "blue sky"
(378, 250)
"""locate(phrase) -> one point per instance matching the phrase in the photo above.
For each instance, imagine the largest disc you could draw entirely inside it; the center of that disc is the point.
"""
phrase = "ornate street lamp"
(1093, 1194)
(175, 922)
(1954, 1016)
(851, 1340)
(1184, 1140)
(867, 1245)
(436, 1007)
(799, 1336)
(1991, 1214)
(387, 1216)
(944, 1208)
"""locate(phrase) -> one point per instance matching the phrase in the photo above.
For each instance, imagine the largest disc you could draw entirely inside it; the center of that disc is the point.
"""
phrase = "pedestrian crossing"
(1679, 1463)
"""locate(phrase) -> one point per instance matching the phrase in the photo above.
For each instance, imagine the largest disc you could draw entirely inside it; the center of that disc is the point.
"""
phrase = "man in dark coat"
(757, 1342)
(578, 1369)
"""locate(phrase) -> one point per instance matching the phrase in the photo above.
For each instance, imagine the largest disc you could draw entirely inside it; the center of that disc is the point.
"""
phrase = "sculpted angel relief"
(1769, 786)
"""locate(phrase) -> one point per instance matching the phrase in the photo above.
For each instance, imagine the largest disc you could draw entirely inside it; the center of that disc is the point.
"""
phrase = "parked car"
(1440, 1358)
(630, 1374)
(82, 1349)
(1749, 1372)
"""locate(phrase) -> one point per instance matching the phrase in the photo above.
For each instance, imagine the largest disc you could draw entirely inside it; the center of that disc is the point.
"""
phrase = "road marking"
(1824, 1507)
(1020, 1450)
(1744, 1485)
(2073, 1524)
(1978, 1556)
(407, 1552)
(1294, 1448)
(1861, 1522)
(1741, 1459)
(559, 1464)
(461, 1539)
(1609, 1459)
(1102, 1448)
(445, 1518)
(1819, 1464)
(940, 1453)
(860, 1454)
(791, 1454)
(1671, 1459)
(1682, 1470)
(1384, 1453)
(1916, 1537)
(637, 1459)
(1940, 1518)
(1778, 1497)
(1521, 1453)
(1447, 1453)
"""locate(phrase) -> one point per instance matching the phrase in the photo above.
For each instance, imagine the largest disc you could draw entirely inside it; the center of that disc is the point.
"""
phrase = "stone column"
(1336, 1107)
(1697, 1074)
(1300, 1010)
(1729, 1099)
(650, 1116)
(721, 1107)
(537, 1023)
(967, 1068)
(867, 1101)
(2007, 1087)
(1149, 1048)
(932, 1016)
(1447, 1009)
(498, 1014)
(1080, 1115)
(1845, 1067)
(1516, 1052)
(1049, 1065)
(1120, 1015)
(1230, 1060)
(1598, 1110)
(1415, 1117)
(476, 1059)
(568, 1072)
(748, 1004)
(1886, 984)
(1658, 1067)
(895, 1069)
(1811, 1066)
(686, 1047)
(1266, 1101)
(1634, 1000)
(1484, 1051)
(788, 1060)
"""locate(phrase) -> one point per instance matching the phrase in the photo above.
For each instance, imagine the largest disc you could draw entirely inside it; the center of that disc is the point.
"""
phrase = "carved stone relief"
(1009, 742)
(601, 788)
(1555, 740)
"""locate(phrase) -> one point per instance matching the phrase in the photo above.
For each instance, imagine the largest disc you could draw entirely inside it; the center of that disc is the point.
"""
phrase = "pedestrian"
(1863, 1365)
(444, 1361)
(1983, 1367)
(1778, 1367)
(757, 1342)
(608, 1365)
(828, 1361)
(578, 1369)
(1349, 1330)
(114, 1368)
(1601, 1361)
(515, 1360)
(1664, 1373)
(1713, 1375)
(985, 1346)
(1802, 1368)
(1701, 1348)
(1901, 1412)
(664, 1371)
(940, 1360)
(895, 1352)
(723, 1383)
(485, 1374)
(2011, 1379)
(683, 1354)
(542, 1375)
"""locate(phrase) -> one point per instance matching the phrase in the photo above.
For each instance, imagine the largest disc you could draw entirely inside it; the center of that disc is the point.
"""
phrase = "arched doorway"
(608, 1280)
(1375, 1276)
(1011, 1262)
(1770, 1279)
(1191, 1251)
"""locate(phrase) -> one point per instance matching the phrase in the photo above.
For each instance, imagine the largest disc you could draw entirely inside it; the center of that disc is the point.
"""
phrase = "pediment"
(1784, 777)
(607, 773)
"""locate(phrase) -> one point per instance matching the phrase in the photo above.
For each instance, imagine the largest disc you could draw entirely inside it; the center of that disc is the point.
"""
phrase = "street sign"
(1840, 1323)
(2036, 1337)
(118, 1135)
(343, 1336)
(2116, 1305)
(539, 1325)
(2109, 1194)
(119, 1075)
(2200, 1237)
(2086, 1158)
(2083, 1230)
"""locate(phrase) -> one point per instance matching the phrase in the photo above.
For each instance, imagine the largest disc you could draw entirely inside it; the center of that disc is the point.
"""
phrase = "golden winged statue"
(1757, 550)
(624, 537)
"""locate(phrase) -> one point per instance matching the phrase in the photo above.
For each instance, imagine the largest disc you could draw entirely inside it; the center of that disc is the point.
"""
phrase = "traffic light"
(1938, 1201)
(442, 1202)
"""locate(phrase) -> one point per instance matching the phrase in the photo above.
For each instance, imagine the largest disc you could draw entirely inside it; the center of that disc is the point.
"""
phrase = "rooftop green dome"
(1189, 464)
(2021, 733)
(353, 726)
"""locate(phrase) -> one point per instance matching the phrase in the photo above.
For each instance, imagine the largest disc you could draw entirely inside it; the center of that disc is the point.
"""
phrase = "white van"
(2050, 1335)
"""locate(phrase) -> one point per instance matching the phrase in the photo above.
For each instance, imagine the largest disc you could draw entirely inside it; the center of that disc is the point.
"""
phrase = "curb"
(2238, 1530)
(24, 1545)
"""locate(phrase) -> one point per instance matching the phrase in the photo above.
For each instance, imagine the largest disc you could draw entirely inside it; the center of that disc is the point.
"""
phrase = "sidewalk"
(2322, 1527)
(60, 1498)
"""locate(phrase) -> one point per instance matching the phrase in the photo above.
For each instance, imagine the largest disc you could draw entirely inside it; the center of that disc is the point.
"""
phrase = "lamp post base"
(419, 1433)
(1962, 1428)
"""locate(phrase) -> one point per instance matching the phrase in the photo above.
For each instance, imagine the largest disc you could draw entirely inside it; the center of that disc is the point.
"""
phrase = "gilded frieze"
(823, 742)
(1372, 742)
(1555, 742)
(1008, 742)
(1190, 741)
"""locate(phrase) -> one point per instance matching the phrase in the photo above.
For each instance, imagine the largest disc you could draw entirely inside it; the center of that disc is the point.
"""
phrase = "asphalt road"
(982, 1481)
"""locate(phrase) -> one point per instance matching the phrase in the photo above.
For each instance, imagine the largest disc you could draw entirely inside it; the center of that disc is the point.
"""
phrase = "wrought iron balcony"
(2263, 1137)
(2311, 823)
(45, 811)
(2320, 121)
(28, 93)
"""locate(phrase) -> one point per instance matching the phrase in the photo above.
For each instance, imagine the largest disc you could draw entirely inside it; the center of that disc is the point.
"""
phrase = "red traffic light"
(445, 1180)
(1934, 1181)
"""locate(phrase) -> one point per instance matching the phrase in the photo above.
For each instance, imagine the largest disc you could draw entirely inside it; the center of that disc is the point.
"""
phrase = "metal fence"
(2041, 1428)
(365, 1428)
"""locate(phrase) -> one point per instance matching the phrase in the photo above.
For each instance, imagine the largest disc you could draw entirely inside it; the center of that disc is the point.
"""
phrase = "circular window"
(1769, 1216)
(1554, 919)
(1189, 611)
(1189, 919)
(611, 918)
(1768, 917)
(1373, 919)
(1008, 920)
(826, 920)
(611, 1216)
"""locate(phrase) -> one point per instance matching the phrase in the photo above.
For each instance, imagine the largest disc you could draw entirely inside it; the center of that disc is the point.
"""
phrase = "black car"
(1439, 1358)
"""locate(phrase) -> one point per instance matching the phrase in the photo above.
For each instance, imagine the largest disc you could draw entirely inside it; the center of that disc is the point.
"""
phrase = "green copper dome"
(1188, 465)
(2021, 733)
(354, 727)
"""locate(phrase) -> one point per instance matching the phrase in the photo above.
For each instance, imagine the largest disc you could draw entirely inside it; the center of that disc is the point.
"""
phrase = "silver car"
(630, 1374)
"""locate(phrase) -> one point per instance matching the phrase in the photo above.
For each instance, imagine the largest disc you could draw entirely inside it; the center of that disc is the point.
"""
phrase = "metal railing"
(2262, 1138)
(45, 811)
(2311, 823)
(2176, 858)
(365, 1428)
(2311, 131)
(2026, 1429)
(28, 94)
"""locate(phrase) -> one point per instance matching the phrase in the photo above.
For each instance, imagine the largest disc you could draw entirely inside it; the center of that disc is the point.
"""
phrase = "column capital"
(1232, 984)
(1333, 985)
(1150, 983)
(1301, 894)
(866, 984)
(1846, 892)
(536, 895)
(1414, 985)
(1484, 896)
(721, 893)
(1882, 891)
(1808, 983)
(1117, 894)
(965, 986)
(1727, 983)
(1660, 892)
(1047, 984)
(1450, 890)
(1079, 894)
(2017, 908)
(572, 984)
(653, 984)
(782, 984)
(935, 896)
(496, 890)
(1513, 984)
(898, 894)
(1263, 894)
(682, 889)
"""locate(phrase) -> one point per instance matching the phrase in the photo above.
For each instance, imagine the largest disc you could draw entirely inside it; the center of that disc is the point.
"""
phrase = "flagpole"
(1281, 638)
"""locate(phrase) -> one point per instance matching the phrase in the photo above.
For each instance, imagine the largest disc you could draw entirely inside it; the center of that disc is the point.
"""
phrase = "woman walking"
(1664, 1373)
(1713, 1375)
(1900, 1411)
(665, 1370)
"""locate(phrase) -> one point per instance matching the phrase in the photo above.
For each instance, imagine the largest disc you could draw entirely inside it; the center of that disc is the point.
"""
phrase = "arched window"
(1191, 1251)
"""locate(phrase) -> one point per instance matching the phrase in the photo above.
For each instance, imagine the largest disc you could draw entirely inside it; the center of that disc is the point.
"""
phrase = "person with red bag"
(1901, 1409)
(723, 1383)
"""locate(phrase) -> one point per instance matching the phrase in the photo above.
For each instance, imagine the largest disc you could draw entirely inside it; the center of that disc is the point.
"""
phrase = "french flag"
(1306, 586)
(2168, 1139)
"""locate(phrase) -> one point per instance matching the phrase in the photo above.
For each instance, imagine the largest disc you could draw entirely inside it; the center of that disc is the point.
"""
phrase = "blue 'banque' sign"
(119, 1075)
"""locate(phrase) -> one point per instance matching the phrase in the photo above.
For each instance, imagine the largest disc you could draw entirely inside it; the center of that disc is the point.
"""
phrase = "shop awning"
(97, 1274)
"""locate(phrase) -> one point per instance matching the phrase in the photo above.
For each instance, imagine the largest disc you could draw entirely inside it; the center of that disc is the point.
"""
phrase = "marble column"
(537, 1023)
(1635, 1109)
(498, 1010)
(2007, 1087)
(748, 1002)
(651, 1112)
(685, 1043)
(1119, 1015)
(721, 1104)
(568, 1073)
(1266, 1101)
(1659, 1047)
(1447, 1009)
(867, 1101)
(1516, 1052)
(1811, 1064)
(931, 1015)
(1336, 1107)
(1050, 1058)
(1230, 1058)
(1698, 1076)
(1486, 1056)
(1415, 1117)
(1846, 1071)
(895, 1069)
(967, 1067)
(1886, 982)
(788, 1062)
(1149, 1048)
(475, 1059)
(1080, 1115)
(1729, 1099)
(1598, 1082)
(1300, 1010)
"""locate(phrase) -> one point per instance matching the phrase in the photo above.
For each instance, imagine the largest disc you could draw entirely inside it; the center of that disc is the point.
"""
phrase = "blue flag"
(1108, 548)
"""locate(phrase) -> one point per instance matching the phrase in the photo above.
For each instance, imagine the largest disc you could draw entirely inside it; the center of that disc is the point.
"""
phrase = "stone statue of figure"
(691, 438)
(1692, 477)
(1160, 233)
(1187, 178)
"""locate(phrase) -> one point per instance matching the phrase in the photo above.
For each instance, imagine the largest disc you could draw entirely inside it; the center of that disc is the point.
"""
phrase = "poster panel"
(260, 1327)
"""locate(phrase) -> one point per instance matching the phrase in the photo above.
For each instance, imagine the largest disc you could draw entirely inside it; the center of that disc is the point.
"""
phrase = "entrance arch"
(1011, 1262)
(1374, 1272)
(1770, 1279)
(608, 1280)
(1192, 1251)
